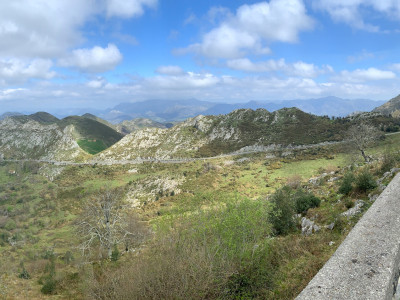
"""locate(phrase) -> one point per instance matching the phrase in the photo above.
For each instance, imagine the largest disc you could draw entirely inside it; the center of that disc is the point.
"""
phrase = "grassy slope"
(92, 135)
(43, 211)
(89, 130)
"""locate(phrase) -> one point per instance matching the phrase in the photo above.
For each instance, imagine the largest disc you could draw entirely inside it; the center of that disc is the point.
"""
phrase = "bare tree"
(362, 136)
(135, 231)
(104, 222)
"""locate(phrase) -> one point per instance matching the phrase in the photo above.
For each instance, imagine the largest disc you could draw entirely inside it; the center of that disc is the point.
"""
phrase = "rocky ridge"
(28, 139)
(242, 130)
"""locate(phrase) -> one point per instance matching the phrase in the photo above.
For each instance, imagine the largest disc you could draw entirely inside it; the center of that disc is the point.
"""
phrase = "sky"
(98, 53)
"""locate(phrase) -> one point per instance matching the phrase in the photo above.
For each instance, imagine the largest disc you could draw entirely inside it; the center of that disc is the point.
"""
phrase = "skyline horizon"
(98, 53)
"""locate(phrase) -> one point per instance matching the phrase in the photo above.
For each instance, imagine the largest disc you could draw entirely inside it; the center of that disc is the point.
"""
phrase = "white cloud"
(128, 8)
(97, 83)
(351, 11)
(298, 69)
(96, 59)
(170, 70)
(41, 28)
(9, 93)
(204, 86)
(252, 27)
(49, 28)
(362, 75)
(18, 71)
(189, 81)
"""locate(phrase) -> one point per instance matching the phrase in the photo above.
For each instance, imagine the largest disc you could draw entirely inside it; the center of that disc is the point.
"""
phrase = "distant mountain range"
(164, 111)
(9, 114)
(42, 135)
(179, 110)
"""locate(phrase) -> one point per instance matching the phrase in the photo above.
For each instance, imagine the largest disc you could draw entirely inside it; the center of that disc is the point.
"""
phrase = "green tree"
(281, 215)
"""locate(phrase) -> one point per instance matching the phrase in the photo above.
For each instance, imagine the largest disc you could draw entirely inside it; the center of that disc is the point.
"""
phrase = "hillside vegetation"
(247, 225)
(218, 228)
(241, 130)
(390, 107)
(43, 136)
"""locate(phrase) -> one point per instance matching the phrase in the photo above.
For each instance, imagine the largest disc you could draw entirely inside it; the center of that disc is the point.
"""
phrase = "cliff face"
(29, 139)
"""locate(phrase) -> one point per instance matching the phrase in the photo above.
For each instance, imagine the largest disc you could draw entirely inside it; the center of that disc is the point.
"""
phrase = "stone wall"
(366, 265)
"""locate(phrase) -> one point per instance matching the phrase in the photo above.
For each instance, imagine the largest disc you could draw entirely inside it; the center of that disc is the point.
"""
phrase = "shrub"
(115, 253)
(389, 160)
(49, 286)
(24, 273)
(346, 185)
(10, 225)
(304, 201)
(68, 257)
(218, 253)
(281, 215)
(365, 181)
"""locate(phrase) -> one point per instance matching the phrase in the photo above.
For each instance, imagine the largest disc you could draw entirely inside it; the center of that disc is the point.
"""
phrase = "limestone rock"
(354, 210)
(308, 227)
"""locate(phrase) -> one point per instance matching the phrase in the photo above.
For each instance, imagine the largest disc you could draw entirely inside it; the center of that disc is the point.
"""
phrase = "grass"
(92, 146)
(44, 211)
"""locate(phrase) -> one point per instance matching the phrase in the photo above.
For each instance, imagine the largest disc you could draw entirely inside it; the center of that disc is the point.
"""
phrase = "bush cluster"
(346, 185)
(281, 215)
(305, 201)
(365, 182)
(217, 253)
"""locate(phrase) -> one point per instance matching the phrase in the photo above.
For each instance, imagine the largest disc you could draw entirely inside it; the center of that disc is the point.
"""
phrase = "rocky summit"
(29, 139)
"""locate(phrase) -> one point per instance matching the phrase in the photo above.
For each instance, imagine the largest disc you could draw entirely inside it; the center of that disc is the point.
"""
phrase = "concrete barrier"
(366, 265)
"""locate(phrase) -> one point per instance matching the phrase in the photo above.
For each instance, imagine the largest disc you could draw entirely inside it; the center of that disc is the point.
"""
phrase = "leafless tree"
(362, 136)
(105, 223)
(135, 231)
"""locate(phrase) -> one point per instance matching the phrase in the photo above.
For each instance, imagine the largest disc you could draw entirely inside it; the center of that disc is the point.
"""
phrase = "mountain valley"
(242, 185)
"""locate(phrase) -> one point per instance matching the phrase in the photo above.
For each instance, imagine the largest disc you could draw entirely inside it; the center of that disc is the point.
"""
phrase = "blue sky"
(98, 53)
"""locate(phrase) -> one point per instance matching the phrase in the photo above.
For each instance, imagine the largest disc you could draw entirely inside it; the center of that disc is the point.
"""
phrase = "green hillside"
(44, 118)
(92, 136)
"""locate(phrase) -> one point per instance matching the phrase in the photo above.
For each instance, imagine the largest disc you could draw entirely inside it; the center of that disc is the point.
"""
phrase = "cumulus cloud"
(18, 71)
(48, 29)
(128, 8)
(362, 75)
(350, 11)
(206, 86)
(97, 83)
(252, 27)
(189, 81)
(41, 28)
(170, 70)
(300, 69)
(96, 59)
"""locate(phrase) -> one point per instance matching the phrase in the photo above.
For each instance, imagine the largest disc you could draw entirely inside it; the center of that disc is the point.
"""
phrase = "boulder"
(308, 227)
(354, 210)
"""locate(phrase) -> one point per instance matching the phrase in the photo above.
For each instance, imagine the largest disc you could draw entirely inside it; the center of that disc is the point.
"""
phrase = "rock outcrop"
(29, 139)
